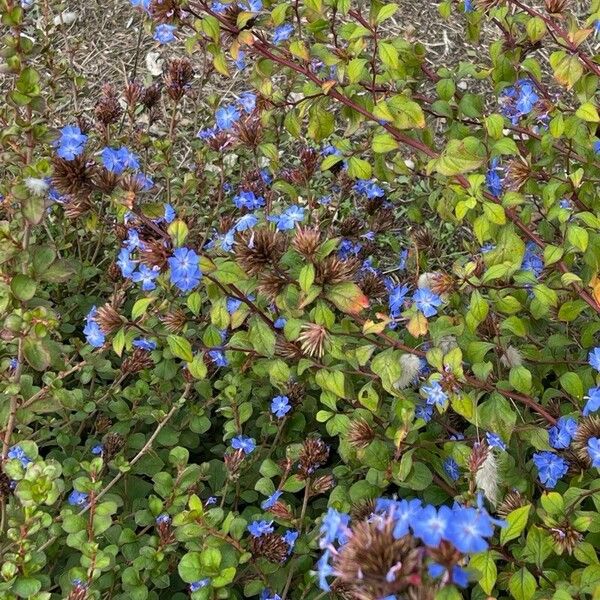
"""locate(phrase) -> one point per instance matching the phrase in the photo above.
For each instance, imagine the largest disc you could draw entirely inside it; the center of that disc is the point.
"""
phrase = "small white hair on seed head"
(37, 186)
(486, 477)
(410, 365)
(511, 357)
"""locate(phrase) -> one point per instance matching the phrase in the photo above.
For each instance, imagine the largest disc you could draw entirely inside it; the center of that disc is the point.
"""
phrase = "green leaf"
(359, 168)
(36, 354)
(306, 277)
(515, 524)
(588, 112)
(140, 307)
(384, 142)
(355, 69)
(385, 12)
(180, 347)
(321, 123)
(23, 287)
(332, 381)
(522, 585)
(486, 565)
(407, 113)
(461, 156)
(348, 297)
(262, 337)
(389, 55)
(178, 231)
(190, 567)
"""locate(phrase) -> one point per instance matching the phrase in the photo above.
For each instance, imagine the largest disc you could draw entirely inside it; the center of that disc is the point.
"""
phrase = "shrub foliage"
(342, 341)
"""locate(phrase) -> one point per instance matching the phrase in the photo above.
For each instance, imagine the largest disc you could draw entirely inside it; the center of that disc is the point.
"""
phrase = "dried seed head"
(272, 284)
(307, 241)
(373, 564)
(108, 319)
(108, 110)
(281, 511)
(133, 94)
(362, 510)
(178, 78)
(114, 273)
(138, 361)
(422, 238)
(295, 392)
(518, 172)
(76, 207)
(321, 485)
(258, 249)
(478, 455)
(174, 321)
(155, 253)
(372, 285)
(587, 428)
(383, 220)
(72, 177)
(565, 537)
(270, 546)
(285, 349)
(313, 339)
(165, 532)
(486, 477)
(512, 501)
(249, 131)
(164, 11)
(351, 226)
(309, 161)
(556, 7)
(334, 270)
(5, 487)
(102, 423)
(233, 462)
(314, 454)
(111, 446)
(151, 95)
(79, 591)
(105, 181)
(360, 433)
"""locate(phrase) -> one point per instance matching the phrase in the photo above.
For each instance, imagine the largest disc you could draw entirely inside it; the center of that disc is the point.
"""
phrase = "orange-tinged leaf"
(417, 326)
(348, 297)
(595, 285)
(327, 85)
(371, 326)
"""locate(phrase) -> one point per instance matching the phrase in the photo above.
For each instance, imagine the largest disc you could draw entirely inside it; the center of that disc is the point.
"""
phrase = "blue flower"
(516, 101)
(593, 448)
(144, 344)
(247, 101)
(594, 359)
(146, 276)
(349, 248)
(566, 204)
(597, 147)
(219, 359)
(397, 297)
(593, 401)
(494, 181)
(198, 585)
(550, 466)
(427, 301)
(145, 4)
(246, 222)
(169, 214)
(125, 263)
(271, 500)
(424, 411)
(98, 449)
(185, 272)
(368, 188)
(290, 537)
(267, 594)
(218, 7)
(527, 98)
(232, 305)
(71, 142)
(434, 393)
(116, 160)
(248, 200)
(324, 570)
(280, 406)
(561, 434)
(487, 248)
(13, 364)
(94, 335)
(405, 512)
(468, 528)
(163, 519)
(452, 469)
(258, 528)
(77, 498)
(227, 116)
(240, 61)
(531, 260)
(244, 443)
(251, 5)
(164, 33)
(430, 524)
(288, 218)
(280, 323)
(210, 501)
(458, 575)
(282, 33)
(17, 453)
(334, 527)
(468, 6)
(494, 440)
(597, 27)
